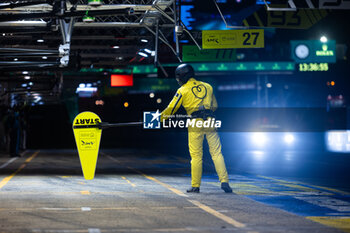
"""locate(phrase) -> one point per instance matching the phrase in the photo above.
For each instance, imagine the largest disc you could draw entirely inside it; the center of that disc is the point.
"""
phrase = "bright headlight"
(259, 138)
(289, 138)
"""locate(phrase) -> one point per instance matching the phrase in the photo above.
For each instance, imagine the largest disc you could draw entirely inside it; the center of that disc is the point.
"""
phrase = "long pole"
(104, 125)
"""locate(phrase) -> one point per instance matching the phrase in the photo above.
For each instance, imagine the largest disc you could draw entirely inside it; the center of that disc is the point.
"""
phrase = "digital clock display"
(313, 67)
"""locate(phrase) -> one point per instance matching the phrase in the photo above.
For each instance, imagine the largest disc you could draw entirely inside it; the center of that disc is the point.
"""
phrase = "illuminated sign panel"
(209, 66)
(226, 39)
(192, 53)
(122, 80)
(313, 51)
(224, 67)
(243, 66)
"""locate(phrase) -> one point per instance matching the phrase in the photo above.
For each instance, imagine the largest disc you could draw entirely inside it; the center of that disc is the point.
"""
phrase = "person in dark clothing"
(12, 125)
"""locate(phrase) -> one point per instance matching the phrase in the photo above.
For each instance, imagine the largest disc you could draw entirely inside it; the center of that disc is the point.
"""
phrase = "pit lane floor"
(142, 191)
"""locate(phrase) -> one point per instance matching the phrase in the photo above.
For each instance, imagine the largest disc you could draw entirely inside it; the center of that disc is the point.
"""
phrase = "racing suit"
(196, 97)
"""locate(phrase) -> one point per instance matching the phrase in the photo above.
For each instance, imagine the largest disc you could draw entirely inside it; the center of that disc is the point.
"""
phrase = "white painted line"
(94, 230)
(8, 162)
(215, 213)
(49, 208)
(110, 157)
(53, 231)
(85, 209)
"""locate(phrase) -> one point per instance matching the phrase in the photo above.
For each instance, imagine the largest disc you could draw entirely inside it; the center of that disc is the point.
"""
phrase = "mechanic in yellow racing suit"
(199, 101)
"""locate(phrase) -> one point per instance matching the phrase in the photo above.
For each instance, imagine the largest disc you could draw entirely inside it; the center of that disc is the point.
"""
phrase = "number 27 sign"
(225, 39)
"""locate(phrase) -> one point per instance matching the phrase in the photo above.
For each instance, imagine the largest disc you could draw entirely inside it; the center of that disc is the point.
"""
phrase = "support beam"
(20, 4)
(48, 8)
(176, 22)
(291, 7)
(66, 31)
(31, 23)
(156, 41)
(16, 63)
(66, 14)
(14, 55)
(12, 50)
(164, 41)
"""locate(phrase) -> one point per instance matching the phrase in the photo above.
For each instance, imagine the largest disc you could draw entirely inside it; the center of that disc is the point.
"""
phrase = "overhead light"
(37, 99)
(151, 95)
(44, 57)
(26, 77)
(268, 85)
(95, 2)
(3, 34)
(86, 89)
(144, 40)
(25, 72)
(126, 104)
(116, 47)
(159, 100)
(40, 40)
(120, 58)
(88, 19)
(143, 54)
(148, 51)
(323, 39)
(30, 84)
(24, 85)
(15, 59)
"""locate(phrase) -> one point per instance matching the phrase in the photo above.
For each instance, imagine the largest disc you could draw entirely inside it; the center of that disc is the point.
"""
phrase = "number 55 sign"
(226, 39)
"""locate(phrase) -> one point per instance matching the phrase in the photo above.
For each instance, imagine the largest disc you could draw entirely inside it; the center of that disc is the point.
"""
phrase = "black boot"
(193, 190)
(226, 187)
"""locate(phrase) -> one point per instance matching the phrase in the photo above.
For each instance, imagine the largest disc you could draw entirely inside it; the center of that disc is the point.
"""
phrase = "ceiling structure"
(39, 39)
(56, 28)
